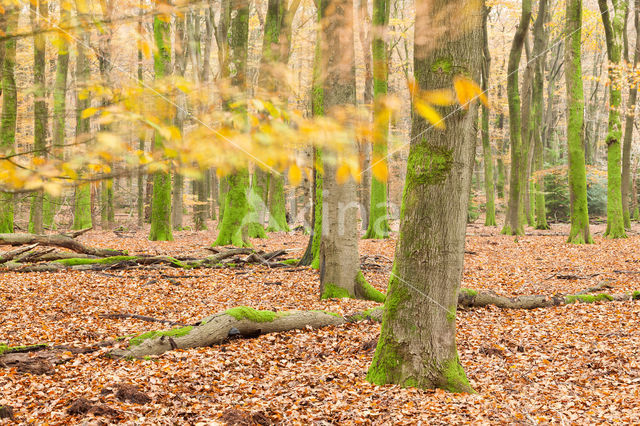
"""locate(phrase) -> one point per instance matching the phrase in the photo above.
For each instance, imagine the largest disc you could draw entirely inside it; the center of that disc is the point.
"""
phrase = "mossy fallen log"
(58, 240)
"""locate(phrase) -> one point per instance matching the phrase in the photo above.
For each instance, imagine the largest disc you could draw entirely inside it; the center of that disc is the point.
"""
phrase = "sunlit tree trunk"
(82, 218)
(9, 112)
(161, 229)
(365, 28)
(579, 233)
(490, 207)
(39, 13)
(628, 127)
(613, 35)
(234, 226)
(514, 224)
(378, 218)
(417, 344)
(142, 134)
(180, 63)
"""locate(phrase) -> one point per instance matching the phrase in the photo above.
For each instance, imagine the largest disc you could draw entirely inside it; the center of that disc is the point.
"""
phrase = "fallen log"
(12, 254)
(58, 240)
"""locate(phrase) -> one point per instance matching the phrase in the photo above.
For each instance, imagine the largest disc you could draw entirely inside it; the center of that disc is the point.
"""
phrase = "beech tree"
(579, 233)
(514, 222)
(613, 28)
(487, 156)
(9, 112)
(161, 229)
(340, 274)
(417, 344)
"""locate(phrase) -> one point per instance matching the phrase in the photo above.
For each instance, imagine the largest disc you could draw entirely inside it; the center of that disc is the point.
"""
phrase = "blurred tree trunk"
(490, 207)
(107, 208)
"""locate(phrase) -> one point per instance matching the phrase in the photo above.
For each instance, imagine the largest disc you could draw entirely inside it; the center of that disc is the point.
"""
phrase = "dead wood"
(58, 240)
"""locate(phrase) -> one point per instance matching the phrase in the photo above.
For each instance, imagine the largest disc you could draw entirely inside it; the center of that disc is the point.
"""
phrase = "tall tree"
(579, 233)
(161, 229)
(179, 68)
(490, 207)
(39, 14)
(9, 112)
(627, 189)
(417, 344)
(540, 44)
(378, 216)
(514, 223)
(142, 135)
(52, 204)
(82, 218)
(234, 227)
(340, 274)
(613, 31)
(107, 207)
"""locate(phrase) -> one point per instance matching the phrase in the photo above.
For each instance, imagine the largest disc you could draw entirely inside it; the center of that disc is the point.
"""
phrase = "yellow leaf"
(295, 175)
(467, 90)
(442, 97)
(429, 113)
(380, 170)
(413, 86)
(342, 174)
(88, 112)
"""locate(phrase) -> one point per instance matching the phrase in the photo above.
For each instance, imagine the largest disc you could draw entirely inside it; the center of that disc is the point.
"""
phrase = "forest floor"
(577, 364)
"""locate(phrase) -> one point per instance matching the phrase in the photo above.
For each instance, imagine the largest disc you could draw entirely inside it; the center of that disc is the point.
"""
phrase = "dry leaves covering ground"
(577, 364)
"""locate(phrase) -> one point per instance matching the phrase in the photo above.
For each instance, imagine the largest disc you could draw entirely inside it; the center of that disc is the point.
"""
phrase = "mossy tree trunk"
(490, 206)
(540, 43)
(234, 220)
(417, 344)
(39, 13)
(340, 274)
(503, 149)
(180, 64)
(258, 197)
(82, 217)
(161, 229)
(312, 253)
(613, 31)
(9, 112)
(628, 127)
(142, 134)
(52, 204)
(579, 233)
(277, 205)
(107, 207)
(378, 216)
(514, 224)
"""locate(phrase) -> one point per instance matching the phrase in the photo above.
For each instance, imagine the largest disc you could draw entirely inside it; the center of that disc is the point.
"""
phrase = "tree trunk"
(339, 260)
(515, 210)
(628, 127)
(417, 345)
(277, 211)
(82, 217)
(9, 112)
(379, 217)
(142, 134)
(180, 64)
(613, 35)
(161, 229)
(258, 197)
(234, 221)
(39, 13)
(490, 206)
(579, 233)
(365, 186)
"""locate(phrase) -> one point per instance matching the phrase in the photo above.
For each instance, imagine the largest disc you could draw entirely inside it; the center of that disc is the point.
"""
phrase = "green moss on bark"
(82, 208)
(588, 298)
(234, 228)
(332, 291)
(367, 291)
(245, 312)
(455, 379)
(176, 332)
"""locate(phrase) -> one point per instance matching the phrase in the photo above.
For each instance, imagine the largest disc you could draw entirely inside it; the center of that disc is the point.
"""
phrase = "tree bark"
(417, 345)
(579, 233)
(515, 210)
(489, 190)
(59, 240)
(613, 36)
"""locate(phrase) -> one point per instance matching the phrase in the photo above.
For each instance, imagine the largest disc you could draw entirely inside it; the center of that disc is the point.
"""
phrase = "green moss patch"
(468, 292)
(6, 349)
(635, 295)
(291, 261)
(245, 312)
(104, 261)
(589, 298)
(174, 332)
(332, 291)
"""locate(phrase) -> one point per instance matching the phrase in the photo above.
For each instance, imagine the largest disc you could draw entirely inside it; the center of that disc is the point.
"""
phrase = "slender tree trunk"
(277, 211)
(161, 229)
(515, 210)
(417, 344)
(379, 217)
(579, 233)
(613, 35)
(142, 134)
(9, 112)
(39, 13)
(340, 274)
(628, 127)
(365, 186)
(503, 148)
(180, 64)
(258, 196)
(490, 207)
(82, 217)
